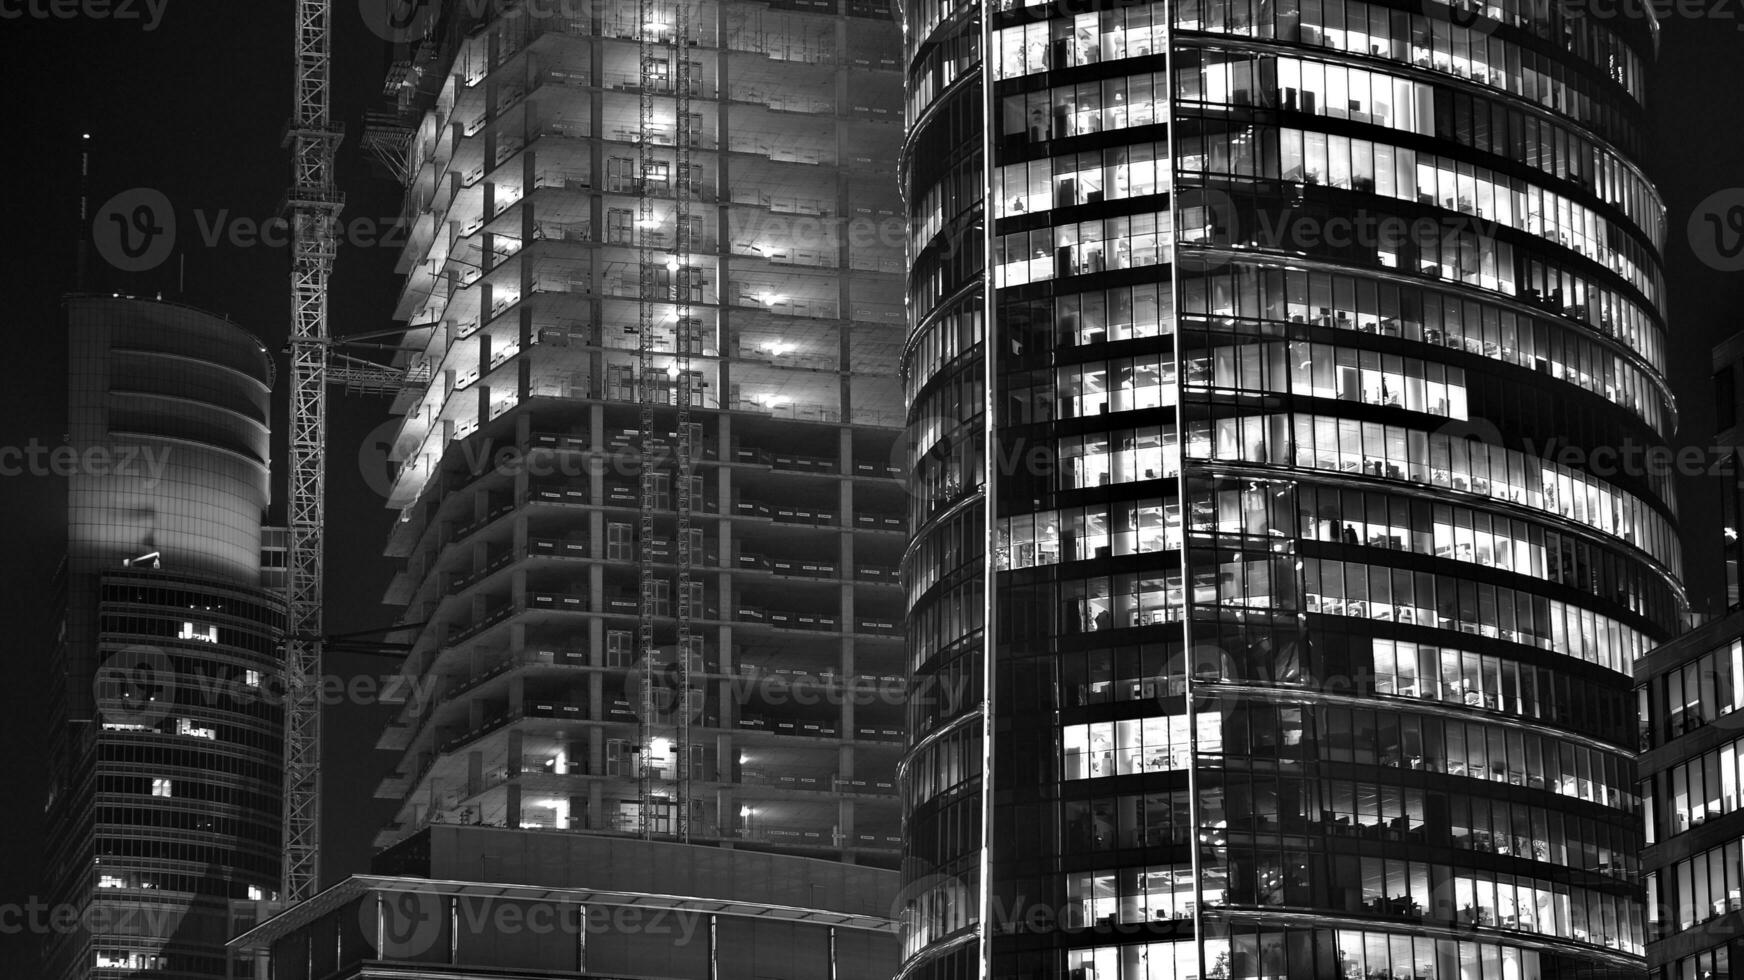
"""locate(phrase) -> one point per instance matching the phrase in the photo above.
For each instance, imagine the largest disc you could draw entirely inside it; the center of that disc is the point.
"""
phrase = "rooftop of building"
(1690, 645)
(490, 863)
(158, 304)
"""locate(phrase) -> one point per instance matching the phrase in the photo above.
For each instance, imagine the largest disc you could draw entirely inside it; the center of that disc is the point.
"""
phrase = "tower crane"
(312, 204)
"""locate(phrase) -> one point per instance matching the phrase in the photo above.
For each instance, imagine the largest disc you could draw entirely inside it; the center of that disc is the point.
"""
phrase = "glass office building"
(1280, 448)
(165, 730)
(1689, 693)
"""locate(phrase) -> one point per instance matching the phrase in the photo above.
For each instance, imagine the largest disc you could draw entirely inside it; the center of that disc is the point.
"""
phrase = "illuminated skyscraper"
(1280, 377)
(1689, 692)
(580, 218)
(166, 734)
(518, 460)
(649, 522)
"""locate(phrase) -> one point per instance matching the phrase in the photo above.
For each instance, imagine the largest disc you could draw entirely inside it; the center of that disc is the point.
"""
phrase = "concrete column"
(596, 439)
(596, 209)
(523, 481)
(596, 681)
(596, 534)
(726, 711)
(474, 768)
(519, 527)
(727, 812)
(846, 380)
(849, 716)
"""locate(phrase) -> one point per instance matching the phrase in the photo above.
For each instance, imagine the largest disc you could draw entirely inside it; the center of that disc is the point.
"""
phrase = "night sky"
(195, 109)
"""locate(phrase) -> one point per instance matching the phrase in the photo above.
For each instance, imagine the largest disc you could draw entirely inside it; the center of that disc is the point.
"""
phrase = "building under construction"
(649, 518)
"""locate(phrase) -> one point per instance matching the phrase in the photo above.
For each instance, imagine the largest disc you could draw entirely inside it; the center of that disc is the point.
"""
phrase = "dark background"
(196, 109)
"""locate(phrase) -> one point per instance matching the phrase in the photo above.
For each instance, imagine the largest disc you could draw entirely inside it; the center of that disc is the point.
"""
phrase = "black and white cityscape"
(862, 490)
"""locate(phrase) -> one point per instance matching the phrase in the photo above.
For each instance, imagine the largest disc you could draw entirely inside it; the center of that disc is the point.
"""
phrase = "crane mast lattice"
(312, 206)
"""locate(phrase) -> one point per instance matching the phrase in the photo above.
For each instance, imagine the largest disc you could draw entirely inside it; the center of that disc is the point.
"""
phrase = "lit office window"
(202, 632)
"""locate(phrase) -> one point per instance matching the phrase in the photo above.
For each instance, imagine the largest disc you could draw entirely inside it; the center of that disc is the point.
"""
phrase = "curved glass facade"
(166, 734)
(168, 808)
(170, 406)
(1280, 441)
